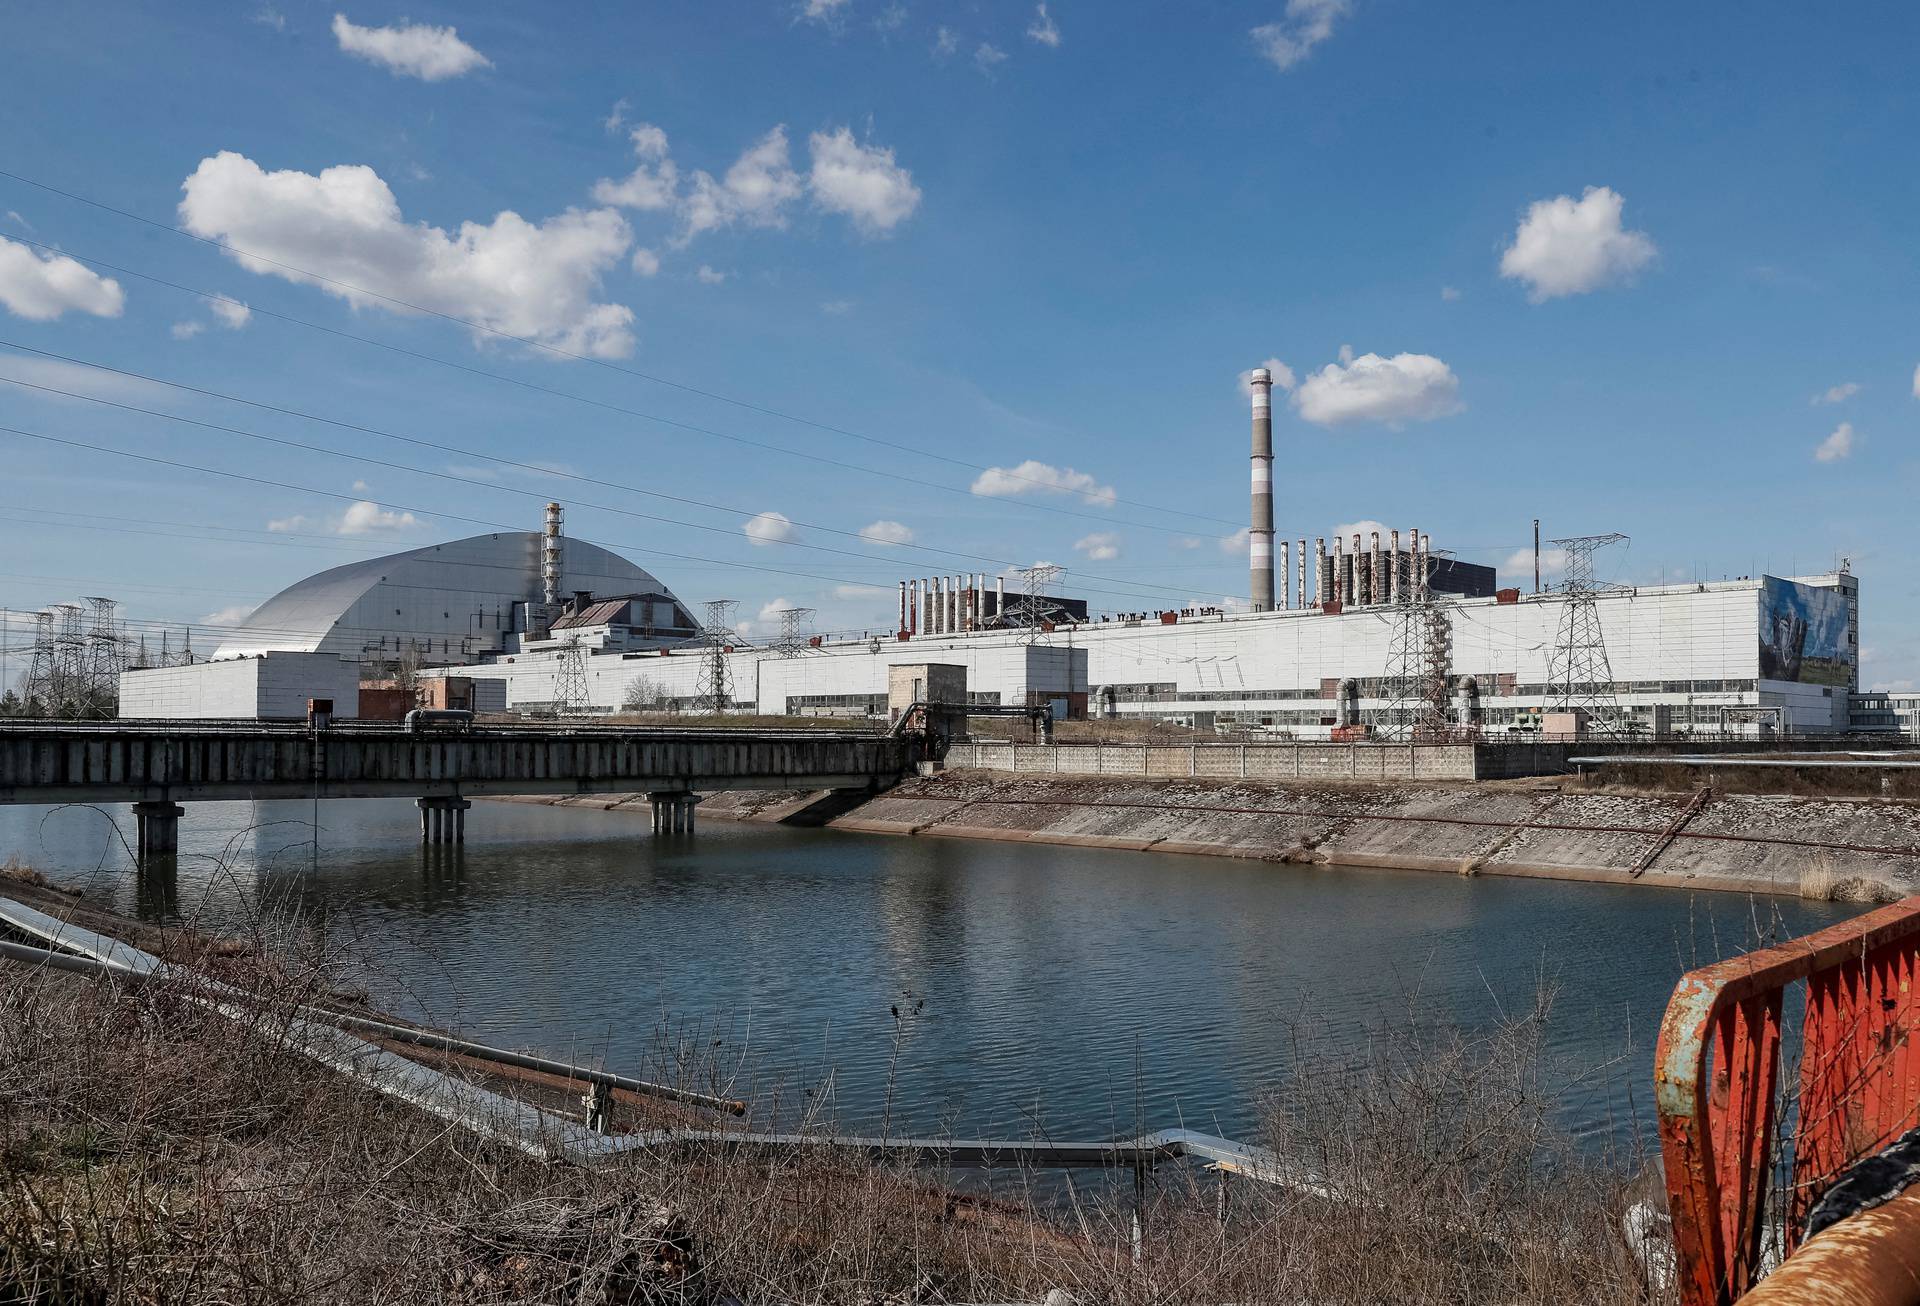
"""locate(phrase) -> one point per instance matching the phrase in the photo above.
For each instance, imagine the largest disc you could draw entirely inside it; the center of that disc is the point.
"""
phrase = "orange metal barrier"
(1718, 1087)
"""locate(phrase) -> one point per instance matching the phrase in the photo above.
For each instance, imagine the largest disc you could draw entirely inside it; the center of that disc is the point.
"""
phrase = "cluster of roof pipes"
(948, 605)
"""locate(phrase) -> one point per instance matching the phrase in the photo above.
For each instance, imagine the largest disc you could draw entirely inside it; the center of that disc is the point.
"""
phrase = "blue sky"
(1630, 267)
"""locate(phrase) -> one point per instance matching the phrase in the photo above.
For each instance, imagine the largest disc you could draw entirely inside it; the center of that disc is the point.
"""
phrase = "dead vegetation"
(153, 1151)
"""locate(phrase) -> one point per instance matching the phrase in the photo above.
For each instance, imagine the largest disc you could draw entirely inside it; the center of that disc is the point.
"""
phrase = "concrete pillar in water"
(157, 829)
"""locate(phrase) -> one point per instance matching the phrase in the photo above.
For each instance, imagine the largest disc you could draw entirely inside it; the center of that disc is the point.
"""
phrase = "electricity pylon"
(1579, 675)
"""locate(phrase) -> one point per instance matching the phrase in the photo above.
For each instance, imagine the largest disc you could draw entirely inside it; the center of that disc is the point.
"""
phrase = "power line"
(465, 453)
(555, 350)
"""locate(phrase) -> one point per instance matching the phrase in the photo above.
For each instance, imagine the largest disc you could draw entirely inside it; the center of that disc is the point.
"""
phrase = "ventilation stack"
(1260, 534)
(550, 559)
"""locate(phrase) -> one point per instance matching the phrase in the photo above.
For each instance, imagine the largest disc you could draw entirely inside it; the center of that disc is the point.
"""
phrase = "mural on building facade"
(1803, 634)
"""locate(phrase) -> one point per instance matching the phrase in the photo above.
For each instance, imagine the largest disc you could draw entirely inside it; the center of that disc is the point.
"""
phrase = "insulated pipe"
(1303, 574)
(1319, 570)
(1286, 574)
(1000, 597)
(1373, 572)
(1358, 566)
(1393, 570)
(1339, 569)
(1260, 532)
(902, 624)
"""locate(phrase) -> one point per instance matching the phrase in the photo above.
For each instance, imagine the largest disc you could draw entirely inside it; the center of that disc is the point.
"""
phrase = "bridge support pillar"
(158, 829)
(443, 820)
(673, 812)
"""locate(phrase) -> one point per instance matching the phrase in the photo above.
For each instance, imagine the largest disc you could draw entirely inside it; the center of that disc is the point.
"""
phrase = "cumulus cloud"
(1044, 29)
(946, 42)
(1448, 294)
(1189, 542)
(73, 378)
(1282, 376)
(710, 276)
(535, 280)
(1032, 477)
(770, 528)
(363, 517)
(836, 307)
(1101, 546)
(617, 116)
(861, 182)
(1565, 246)
(646, 262)
(1236, 542)
(1307, 23)
(755, 191)
(821, 11)
(230, 313)
(1364, 529)
(1836, 446)
(988, 57)
(186, 330)
(1397, 390)
(655, 180)
(1837, 394)
(232, 616)
(1520, 563)
(40, 287)
(1916, 382)
(410, 50)
(859, 591)
(887, 532)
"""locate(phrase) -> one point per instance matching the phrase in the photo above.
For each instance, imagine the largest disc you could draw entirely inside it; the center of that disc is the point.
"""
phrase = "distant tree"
(643, 693)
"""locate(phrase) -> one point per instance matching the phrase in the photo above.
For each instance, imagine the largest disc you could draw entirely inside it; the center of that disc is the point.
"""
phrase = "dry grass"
(153, 1152)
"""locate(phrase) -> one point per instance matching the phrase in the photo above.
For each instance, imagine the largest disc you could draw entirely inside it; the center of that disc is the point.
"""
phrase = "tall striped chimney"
(1260, 535)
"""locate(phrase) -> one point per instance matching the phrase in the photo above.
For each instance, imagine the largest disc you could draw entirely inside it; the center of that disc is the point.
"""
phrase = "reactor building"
(544, 623)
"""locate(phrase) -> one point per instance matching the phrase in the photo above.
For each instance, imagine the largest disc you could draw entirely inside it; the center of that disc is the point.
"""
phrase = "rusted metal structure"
(1735, 1178)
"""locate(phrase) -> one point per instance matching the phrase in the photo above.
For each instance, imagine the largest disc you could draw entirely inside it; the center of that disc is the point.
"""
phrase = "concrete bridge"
(157, 766)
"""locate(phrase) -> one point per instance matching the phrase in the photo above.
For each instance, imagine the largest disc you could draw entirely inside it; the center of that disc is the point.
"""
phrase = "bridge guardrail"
(1723, 1098)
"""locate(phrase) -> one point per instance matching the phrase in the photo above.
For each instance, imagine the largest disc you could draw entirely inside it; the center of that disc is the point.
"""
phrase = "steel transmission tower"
(1579, 676)
(570, 682)
(716, 688)
(794, 631)
(1419, 658)
(1034, 581)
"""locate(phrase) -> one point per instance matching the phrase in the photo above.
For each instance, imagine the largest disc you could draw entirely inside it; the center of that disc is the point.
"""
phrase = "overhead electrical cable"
(574, 355)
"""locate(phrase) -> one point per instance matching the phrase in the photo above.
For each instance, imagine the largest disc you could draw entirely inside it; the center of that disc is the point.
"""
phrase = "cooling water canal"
(999, 987)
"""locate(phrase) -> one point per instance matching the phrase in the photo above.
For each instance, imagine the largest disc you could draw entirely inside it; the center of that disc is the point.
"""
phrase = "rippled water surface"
(1080, 988)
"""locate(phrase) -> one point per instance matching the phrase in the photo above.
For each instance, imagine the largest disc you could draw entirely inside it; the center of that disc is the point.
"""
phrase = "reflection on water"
(1070, 987)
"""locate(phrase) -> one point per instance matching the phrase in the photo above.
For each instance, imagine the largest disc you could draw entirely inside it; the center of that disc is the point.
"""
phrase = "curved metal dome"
(451, 601)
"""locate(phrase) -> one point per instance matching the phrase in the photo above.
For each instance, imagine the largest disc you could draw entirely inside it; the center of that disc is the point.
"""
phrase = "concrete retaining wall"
(1209, 761)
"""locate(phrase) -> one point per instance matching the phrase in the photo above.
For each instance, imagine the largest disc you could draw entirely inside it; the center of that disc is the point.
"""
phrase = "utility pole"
(1579, 675)
(716, 690)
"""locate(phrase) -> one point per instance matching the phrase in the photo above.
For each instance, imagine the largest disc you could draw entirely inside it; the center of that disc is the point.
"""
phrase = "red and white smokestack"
(1260, 533)
(550, 558)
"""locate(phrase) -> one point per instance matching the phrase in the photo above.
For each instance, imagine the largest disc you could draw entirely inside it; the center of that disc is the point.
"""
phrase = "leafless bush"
(154, 1151)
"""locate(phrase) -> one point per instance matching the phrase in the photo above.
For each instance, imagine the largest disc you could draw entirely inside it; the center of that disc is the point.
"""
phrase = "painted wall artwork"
(1803, 634)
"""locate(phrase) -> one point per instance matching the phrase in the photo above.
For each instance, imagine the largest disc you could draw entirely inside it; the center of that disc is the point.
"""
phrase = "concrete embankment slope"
(1862, 850)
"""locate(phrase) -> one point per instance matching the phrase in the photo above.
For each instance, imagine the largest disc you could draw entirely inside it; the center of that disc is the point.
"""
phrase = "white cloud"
(1307, 24)
(13, 216)
(413, 50)
(646, 262)
(268, 16)
(1101, 546)
(1044, 29)
(1236, 542)
(1916, 382)
(1282, 376)
(891, 19)
(510, 275)
(1449, 294)
(1520, 563)
(836, 307)
(770, 528)
(1404, 388)
(860, 181)
(710, 276)
(1032, 477)
(655, 181)
(232, 616)
(361, 487)
(755, 191)
(1364, 529)
(1565, 246)
(1190, 542)
(233, 314)
(946, 42)
(74, 379)
(860, 591)
(40, 287)
(186, 330)
(770, 611)
(362, 518)
(821, 11)
(1837, 394)
(988, 57)
(887, 532)
(1836, 446)
(617, 116)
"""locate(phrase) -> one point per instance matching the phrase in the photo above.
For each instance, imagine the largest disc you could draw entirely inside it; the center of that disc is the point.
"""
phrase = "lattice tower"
(1034, 583)
(716, 688)
(570, 680)
(1579, 675)
(796, 625)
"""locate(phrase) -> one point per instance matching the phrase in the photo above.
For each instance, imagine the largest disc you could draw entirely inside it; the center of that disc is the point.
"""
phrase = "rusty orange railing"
(1718, 1087)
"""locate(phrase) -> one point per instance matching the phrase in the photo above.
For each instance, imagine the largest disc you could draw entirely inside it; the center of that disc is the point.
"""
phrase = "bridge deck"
(173, 761)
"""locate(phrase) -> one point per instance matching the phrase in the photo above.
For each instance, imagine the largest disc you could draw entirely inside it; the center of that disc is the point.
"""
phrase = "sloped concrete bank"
(1850, 849)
